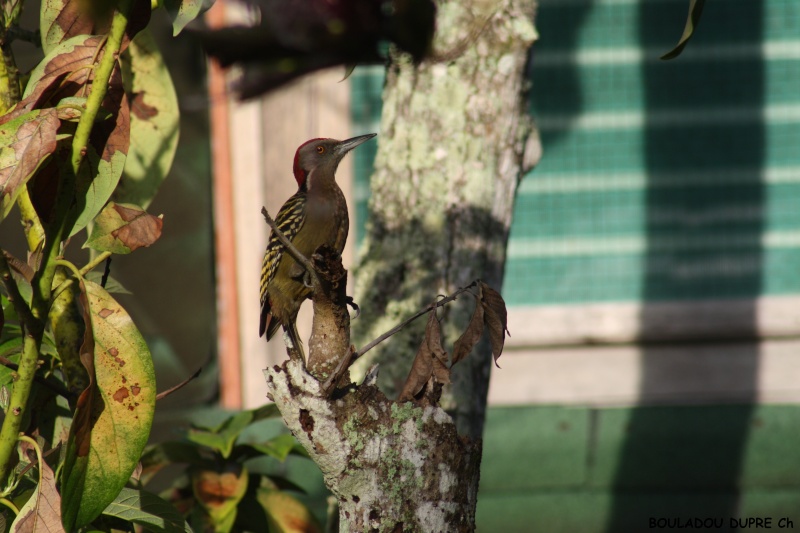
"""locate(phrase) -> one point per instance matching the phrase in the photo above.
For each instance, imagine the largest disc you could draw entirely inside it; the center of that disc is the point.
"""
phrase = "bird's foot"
(349, 301)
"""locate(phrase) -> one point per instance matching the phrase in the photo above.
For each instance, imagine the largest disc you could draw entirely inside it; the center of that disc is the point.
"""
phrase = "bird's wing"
(289, 220)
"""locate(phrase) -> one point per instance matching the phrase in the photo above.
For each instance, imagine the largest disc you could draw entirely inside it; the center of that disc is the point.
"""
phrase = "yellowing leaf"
(120, 414)
(286, 514)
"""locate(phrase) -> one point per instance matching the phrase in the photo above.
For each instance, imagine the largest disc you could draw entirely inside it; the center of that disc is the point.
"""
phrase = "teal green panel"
(780, 20)
(697, 447)
(563, 25)
(781, 271)
(532, 281)
(550, 512)
(782, 202)
(596, 213)
(529, 447)
(582, 511)
(781, 144)
(771, 456)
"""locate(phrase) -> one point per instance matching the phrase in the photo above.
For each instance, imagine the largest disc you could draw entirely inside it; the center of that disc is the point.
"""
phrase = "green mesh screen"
(660, 180)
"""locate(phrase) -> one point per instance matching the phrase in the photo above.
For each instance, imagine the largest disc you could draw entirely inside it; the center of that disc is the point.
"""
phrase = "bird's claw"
(349, 301)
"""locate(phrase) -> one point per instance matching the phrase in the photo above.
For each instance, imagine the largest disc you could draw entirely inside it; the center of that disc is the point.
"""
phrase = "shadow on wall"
(703, 126)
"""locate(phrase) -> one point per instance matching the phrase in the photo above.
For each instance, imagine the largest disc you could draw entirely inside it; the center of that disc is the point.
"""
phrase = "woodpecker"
(315, 215)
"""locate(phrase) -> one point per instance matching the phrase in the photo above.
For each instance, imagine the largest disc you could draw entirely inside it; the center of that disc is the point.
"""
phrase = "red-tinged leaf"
(42, 512)
(122, 229)
(73, 62)
(25, 143)
(495, 317)
(220, 491)
(286, 513)
(105, 445)
(467, 341)
(61, 20)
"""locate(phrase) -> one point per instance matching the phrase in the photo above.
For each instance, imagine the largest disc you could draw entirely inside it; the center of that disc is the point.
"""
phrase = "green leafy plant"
(219, 489)
(85, 143)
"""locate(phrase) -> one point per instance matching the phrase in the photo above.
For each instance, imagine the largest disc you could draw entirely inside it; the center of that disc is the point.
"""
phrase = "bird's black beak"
(345, 146)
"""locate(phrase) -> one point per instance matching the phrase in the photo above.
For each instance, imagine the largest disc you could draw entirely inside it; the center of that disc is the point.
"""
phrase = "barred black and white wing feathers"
(290, 220)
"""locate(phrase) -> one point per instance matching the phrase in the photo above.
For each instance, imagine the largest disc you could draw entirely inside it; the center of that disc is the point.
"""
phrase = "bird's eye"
(320, 149)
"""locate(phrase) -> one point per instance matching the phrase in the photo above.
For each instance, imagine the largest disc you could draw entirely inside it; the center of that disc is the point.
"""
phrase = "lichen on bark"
(455, 141)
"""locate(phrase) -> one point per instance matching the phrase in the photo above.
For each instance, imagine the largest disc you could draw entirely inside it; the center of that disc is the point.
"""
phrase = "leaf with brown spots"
(42, 512)
(430, 362)
(25, 143)
(467, 341)
(122, 229)
(495, 318)
(154, 121)
(113, 420)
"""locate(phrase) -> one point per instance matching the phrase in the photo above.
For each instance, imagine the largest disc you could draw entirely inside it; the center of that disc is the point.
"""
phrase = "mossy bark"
(455, 141)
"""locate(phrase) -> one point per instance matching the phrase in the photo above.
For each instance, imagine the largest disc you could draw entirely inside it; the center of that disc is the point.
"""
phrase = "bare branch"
(163, 394)
(400, 326)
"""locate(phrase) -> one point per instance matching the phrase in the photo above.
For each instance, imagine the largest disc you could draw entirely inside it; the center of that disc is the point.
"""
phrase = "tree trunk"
(455, 141)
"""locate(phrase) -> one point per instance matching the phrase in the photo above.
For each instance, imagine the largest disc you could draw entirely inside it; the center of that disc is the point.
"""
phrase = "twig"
(409, 320)
(164, 394)
(23, 311)
(55, 387)
(106, 274)
(294, 252)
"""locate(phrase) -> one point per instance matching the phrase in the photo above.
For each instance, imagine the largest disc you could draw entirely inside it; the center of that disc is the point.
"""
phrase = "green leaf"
(112, 284)
(182, 12)
(113, 419)
(695, 10)
(122, 229)
(166, 453)
(278, 447)
(25, 143)
(223, 438)
(147, 510)
(154, 121)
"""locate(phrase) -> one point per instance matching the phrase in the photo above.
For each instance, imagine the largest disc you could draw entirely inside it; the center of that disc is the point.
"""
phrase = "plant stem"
(55, 233)
(34, 232)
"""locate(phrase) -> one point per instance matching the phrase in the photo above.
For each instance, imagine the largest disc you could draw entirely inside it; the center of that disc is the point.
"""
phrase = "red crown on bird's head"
(300, 173)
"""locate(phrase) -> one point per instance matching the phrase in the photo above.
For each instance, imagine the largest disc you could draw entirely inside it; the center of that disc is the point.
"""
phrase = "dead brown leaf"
(430, 361)
(467, 341)
(495, 318)
(142, 228)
